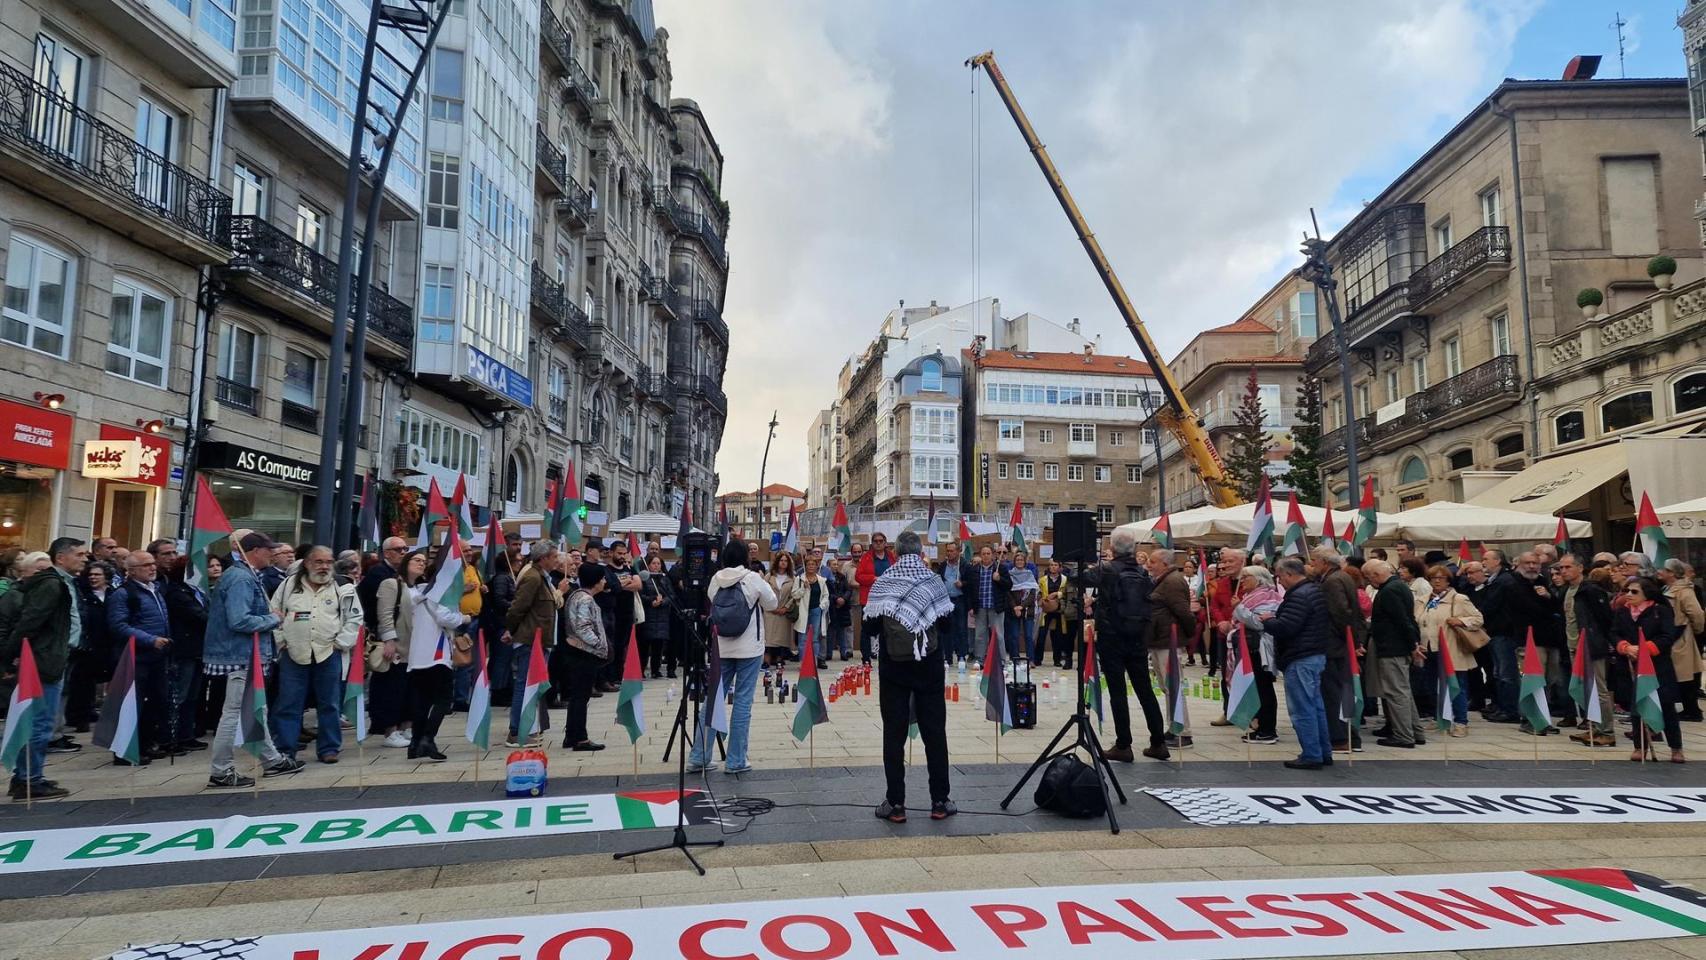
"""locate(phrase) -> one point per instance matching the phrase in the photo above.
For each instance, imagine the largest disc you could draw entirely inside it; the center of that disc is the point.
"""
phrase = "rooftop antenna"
(1618, 23)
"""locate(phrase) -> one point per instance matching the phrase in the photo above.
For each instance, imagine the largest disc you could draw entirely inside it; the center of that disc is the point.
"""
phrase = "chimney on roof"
(1582, 67)
(1072, 325)
(1089, 351)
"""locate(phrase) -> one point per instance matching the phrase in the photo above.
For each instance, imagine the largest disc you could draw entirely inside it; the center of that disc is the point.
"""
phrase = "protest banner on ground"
(1361, 916)
(1226, 806)
(176, 841)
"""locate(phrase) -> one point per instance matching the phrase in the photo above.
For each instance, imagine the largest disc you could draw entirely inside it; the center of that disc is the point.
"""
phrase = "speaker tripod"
(1083, 738)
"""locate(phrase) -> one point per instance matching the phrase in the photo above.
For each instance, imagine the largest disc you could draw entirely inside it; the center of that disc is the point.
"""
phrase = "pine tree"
(1305, 473)
(1250, 441)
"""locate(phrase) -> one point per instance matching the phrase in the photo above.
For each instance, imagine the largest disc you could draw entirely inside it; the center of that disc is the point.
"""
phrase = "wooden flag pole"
(259, 771)
(361, 764)
(131, 780)
(477, 768)
(29, 779)
(811, 748)
(636, 746)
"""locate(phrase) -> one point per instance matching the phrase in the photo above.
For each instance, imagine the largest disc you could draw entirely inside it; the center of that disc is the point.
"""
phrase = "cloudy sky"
(861, 165)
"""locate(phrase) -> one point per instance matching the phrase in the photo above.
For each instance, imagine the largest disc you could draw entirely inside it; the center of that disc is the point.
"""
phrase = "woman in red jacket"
(871, 566)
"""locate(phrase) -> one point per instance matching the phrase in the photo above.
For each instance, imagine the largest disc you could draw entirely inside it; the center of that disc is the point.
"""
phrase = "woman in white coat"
(740, 624)
(811, 600)
(431, 626)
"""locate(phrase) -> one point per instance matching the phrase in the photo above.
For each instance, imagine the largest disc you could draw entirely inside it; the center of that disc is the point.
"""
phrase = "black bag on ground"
(1071, 788)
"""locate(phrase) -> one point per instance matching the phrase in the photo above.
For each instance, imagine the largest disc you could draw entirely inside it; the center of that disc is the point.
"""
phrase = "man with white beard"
(320, 619)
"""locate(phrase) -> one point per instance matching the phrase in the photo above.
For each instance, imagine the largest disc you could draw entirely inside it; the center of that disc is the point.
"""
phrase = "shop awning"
(1444, 522)
(1685, 519)
(659, 523)
(1552, 484)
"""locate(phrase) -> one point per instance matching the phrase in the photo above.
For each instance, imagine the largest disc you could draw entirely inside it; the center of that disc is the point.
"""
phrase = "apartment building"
(1454, 274)
(753, 520)
(824, 445)
(918, 436)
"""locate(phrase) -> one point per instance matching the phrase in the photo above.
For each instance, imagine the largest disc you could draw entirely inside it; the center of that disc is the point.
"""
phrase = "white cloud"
(1194, 136)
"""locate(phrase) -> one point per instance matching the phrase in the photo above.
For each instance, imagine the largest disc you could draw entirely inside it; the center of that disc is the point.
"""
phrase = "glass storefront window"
(283, 514)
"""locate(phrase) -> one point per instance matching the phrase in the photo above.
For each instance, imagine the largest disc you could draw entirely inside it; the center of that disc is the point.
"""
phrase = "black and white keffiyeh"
(912, 594)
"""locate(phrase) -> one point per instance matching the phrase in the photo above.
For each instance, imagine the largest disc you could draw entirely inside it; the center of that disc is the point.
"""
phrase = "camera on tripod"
(698, 562)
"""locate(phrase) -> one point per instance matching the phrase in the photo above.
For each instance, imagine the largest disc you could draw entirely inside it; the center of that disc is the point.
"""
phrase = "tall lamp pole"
(417, 22)
(1160, 468)
(762, 464)
(1319, 272)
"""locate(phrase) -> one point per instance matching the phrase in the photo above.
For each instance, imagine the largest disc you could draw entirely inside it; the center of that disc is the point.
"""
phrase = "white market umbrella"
(1193, 524)
(1234, 522)
(1447, 522)
(1685, 519)
(659, 523)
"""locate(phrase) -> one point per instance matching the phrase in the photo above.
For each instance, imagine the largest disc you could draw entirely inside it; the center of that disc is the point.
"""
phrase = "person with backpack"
(50, 621)
(908, 603)
(738, 598)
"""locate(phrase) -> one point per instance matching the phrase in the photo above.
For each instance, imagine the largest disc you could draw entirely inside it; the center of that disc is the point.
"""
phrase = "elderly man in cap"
(239, 615)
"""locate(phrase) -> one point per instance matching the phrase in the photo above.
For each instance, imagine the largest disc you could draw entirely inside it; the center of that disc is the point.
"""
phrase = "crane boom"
(1177, 416)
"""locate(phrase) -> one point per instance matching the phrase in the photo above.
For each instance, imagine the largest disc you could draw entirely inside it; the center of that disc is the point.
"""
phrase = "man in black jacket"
(1397, 644)
(50, 622)
(1586, 610)
(1122, 629)
(1538, 610)
(957, 573)
(391, 555)
(621, 583)
(1303, 631)
(1344, 607)
(1499, 605)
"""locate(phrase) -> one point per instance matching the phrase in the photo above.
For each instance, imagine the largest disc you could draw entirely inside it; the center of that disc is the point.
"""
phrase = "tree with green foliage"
(1305, 473)
(1251, 442)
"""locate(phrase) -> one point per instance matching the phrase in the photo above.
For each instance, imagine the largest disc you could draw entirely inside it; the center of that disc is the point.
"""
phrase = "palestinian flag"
(553, 506)
(638, 558)
(479, 728)
(1561, 539)
(445, 584)
(436, 512)
(723, 519)
(1296, 543)
(355, 688)
(842, 543)
(811, 709)
(1653, 541)
(1092, 673)
(538, 682)
(463, 508)
(965, 530)
(117, 729)
(368, 522)
(1162, 532)
(209, 527)
(494, 547)
(1446, 692)
(1201, 585)
(716, 715)
(252, 714)
(993, 685)
(1178, 714)
(645, 809)
(686, 525)
(1017, 537)
(1533, 705)
(1348, 542)
(1366, 520)
(630, 704)
(1329, 536)
(26, 700)
(1647, 702)
(1463, 555)
(930, 520)
(1261, 539)
(1350, 706)
(1241, 699)
(1584, 683)
(569, 508)
(791, 539)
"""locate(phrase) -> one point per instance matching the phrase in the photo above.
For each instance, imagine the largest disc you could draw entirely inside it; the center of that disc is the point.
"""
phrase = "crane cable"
(977, 195)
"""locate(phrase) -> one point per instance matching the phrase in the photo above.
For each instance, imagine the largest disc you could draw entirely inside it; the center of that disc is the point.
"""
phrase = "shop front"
(35, 453)
(131, 470)
(260, 490)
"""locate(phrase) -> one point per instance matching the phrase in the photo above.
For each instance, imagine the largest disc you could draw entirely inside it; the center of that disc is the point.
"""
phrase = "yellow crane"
(1176, 415)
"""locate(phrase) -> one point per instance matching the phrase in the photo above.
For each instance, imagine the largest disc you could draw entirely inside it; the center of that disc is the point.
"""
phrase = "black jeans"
(1268, 709)
(1334, 688)
(579, 671)
(1065, 642)
(431, 690)
(1118, 661)
(911, 692)
(153, 702)
(82, 674)
(387, 697)
(654, 648)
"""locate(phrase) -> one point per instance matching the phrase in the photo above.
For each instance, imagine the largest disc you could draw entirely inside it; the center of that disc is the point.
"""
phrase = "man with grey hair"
(1344, 608)
(1397, 644)
(1499, 605)
(1170, 604)
(1634, 563)
(1121, 614)
(1303, 633)
(909, 602)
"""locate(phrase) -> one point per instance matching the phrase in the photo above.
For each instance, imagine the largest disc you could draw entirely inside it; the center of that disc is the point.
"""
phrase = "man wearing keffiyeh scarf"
(909, 596)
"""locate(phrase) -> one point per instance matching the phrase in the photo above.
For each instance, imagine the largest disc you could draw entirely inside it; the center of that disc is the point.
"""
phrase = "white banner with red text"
(1231, 806)
(1244, 919)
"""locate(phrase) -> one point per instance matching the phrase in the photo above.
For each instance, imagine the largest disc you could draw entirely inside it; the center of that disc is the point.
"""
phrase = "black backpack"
(730, 613)
(1071, 788)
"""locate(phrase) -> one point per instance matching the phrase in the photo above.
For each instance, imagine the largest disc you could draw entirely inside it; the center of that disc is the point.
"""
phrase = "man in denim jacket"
(238, 613)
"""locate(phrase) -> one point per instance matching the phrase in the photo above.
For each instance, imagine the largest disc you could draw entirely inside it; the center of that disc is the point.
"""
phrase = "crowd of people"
(1301, 619)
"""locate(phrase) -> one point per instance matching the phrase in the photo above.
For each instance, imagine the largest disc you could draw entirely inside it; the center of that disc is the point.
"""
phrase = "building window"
(1419, 373)
(1133, 473)
(1413, 471)
(1082, 433)
(39, 285)
(239, 355)
(1045, 435)
(937, 474)
(930, 376)
(248, 191)
(1509, 445)
(1453, 357)
(557, 395)
(1133, 514)
(1010, 430)
(1569, 428)
(1689, 393)
(1026, 470)
(1051, 471)
(1104, 473)
(301, 378)
(1628, 410)
(141, 333)
(444, 189)
(1105, 514)
(1116, 438)
(1442, 236)
(1492, 215)
(438, 303)
(1500, 326)
(310, 227)
(1363, 403)
(1001, 470)
(447, 85)
(934, 425)
(1460, 459)
(1393, 387)
(1075, 472)
(156, 130)
(1303, 314)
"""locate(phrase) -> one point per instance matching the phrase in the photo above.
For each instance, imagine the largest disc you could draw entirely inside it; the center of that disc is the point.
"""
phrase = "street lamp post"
(1319, 272)
(762, 465)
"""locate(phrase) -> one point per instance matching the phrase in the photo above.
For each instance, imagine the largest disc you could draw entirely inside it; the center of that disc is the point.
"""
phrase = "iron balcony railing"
(299, 417)
(713, 241)
(579, 86)
(1486, 247)
(577, 203)
(666, 294)
(552, 299)
(553, 37)
(708, 388)
(238, 396)
(268, 251)
(1467, 392)
(706, 312)
(99, 154)
(550, 159)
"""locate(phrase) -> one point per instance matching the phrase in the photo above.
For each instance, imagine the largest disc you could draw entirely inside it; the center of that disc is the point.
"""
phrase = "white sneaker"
(397, 738)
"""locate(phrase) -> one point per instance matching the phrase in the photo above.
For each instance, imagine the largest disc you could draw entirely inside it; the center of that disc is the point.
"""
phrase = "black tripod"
(1084, 737)
(693, 690)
